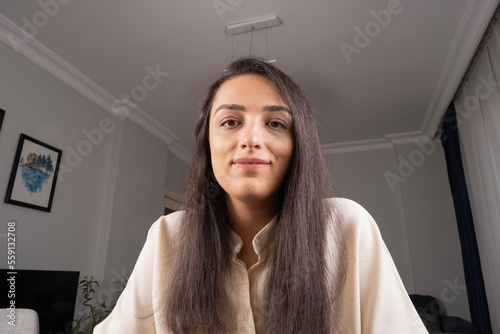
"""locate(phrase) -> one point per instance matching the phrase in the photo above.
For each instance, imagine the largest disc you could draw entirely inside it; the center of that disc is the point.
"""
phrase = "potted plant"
(95, 312)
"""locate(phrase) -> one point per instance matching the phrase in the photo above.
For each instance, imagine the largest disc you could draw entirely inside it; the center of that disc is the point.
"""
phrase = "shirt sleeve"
(134, 311)
(374, 299)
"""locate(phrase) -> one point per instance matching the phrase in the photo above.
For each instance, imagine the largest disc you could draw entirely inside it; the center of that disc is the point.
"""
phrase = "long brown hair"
(298, 298)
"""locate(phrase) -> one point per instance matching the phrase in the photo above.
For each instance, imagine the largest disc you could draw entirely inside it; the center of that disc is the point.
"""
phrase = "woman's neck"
(247, 219)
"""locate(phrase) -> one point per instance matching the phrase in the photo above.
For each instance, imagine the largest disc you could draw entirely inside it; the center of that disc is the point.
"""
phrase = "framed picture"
(34, 174)
(171, 202)
(2, 113)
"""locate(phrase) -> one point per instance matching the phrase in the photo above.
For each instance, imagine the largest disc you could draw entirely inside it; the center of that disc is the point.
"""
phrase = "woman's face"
(250, 135)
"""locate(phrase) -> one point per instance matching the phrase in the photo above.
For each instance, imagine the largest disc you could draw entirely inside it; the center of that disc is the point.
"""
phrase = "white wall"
(432, 227)
(415, 216)
(105, 204)
(138, 197)
(176, 174)
(43, 107)
(360, 176)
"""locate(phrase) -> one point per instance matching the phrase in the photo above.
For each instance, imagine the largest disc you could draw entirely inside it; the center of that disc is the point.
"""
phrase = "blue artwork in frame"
(34, 174)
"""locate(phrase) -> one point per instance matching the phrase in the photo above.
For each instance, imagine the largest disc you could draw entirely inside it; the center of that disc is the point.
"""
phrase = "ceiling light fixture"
(250, 25)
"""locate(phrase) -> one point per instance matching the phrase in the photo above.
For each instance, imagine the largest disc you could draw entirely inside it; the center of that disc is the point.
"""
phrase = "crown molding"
(388, 142)
(473, 24)
(356, 146)
(22, 42)
(407, 137)
(180, 151)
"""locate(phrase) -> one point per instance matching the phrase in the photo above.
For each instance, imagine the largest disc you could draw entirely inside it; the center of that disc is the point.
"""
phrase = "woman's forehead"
(248, 90)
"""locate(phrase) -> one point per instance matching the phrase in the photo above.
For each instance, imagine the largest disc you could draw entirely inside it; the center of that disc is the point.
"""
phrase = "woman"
(260, 248)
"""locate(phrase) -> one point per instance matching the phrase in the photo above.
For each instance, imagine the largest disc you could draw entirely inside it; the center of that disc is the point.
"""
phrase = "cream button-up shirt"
(373, 300)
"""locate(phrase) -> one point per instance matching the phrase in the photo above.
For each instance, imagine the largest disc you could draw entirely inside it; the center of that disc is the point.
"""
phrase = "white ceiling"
(396, 87)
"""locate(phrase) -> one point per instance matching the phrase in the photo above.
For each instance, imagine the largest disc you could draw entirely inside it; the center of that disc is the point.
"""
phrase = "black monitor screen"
(52, 294)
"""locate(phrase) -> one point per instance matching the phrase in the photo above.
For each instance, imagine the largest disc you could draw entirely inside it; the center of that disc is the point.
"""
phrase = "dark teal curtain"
(476, 293)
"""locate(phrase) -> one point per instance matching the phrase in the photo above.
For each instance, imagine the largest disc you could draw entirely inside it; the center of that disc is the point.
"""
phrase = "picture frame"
(171, 202)
(2, 114)
(34, 174)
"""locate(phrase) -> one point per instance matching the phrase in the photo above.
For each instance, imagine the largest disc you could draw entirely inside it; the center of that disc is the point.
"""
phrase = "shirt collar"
(260, 242)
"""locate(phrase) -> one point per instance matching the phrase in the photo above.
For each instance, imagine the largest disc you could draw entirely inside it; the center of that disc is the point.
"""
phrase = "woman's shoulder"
(350, 217)
(345, 204)
(347, 209)
(166, 225)
(357, 231)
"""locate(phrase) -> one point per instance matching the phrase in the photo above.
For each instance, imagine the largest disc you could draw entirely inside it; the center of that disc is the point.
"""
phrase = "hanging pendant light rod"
(249, 25)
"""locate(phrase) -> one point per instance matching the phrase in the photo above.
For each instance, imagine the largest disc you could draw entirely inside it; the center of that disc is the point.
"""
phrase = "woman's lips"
(246, 163)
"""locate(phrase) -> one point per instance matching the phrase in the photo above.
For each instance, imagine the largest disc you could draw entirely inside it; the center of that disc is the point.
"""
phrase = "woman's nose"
(251, 136)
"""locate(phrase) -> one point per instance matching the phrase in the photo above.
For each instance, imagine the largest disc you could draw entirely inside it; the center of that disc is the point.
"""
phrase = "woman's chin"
(251, 197)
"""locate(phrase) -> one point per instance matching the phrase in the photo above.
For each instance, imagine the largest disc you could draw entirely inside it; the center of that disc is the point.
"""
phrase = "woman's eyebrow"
(242, 108)
(230, 107)
(277, 108)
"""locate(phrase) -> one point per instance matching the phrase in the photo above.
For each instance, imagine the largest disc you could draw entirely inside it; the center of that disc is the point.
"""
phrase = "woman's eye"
(276, 125)
(229, 123)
